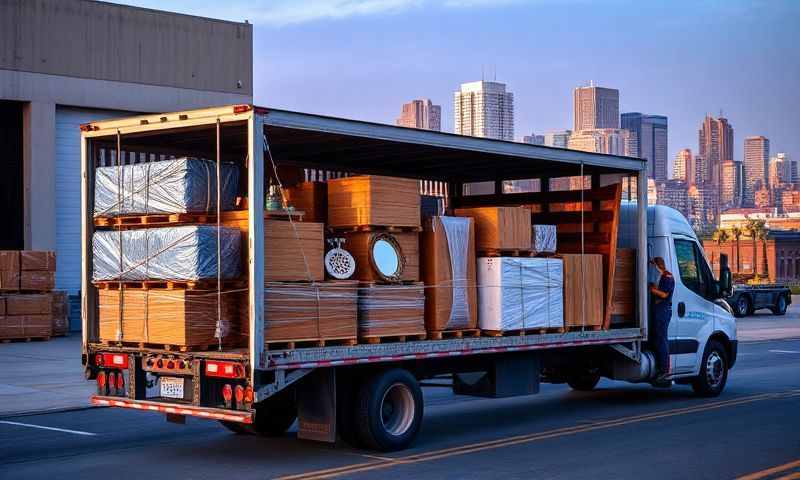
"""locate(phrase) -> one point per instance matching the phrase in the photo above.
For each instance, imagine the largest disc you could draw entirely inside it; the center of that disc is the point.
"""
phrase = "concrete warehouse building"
(67, 62)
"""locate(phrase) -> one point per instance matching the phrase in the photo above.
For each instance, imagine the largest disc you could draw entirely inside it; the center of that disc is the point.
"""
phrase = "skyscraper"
(421, 113)
(558, 139)
(484, 109)
(715, 139)
(684, 166)
(756, 166)
(533, 139)
(614, 141)
(727, 196)
(651, 134)
(595, 107)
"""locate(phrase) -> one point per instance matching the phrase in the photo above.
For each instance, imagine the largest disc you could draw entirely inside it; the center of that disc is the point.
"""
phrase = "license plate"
(171, 387)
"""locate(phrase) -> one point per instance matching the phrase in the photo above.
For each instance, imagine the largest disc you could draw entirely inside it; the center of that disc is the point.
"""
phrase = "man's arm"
(658, 293)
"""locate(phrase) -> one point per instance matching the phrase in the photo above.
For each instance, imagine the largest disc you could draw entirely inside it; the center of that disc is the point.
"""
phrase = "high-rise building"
(595, 107)
(614, 141)
(683, 167)
(674, 193)
(651, 132)
(727, 196)
(533, 139)
(484, 109)
(715, 139)
(421, 113)
(785, 169)
(702, 209)
(558, 139)
(756, 166)
(776, 172)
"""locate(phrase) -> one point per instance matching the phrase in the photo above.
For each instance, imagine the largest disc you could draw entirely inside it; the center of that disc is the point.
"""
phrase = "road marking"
(784, 351)
(791, 476)
(532, 437)
(767, 472)
(65, 430)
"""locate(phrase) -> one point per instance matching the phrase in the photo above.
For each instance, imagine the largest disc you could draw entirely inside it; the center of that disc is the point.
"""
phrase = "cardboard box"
(9, 260)
(583, 290)
(442, 290)
(391, 310)
(29, 304)
(37, 260)
(11, 327)
(25, 326)
(37, 280)
(359, 243)
(311, 198)
(500, 228)
(302, 311)
(373, 200)
(623, 303)
(293, 251)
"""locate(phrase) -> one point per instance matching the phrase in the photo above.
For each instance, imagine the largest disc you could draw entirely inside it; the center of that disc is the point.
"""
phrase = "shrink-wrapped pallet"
(451, 300)
(391, 310)
(305, 311)
(543, 239)
(180, 185)
(185, 253)
(517, 293)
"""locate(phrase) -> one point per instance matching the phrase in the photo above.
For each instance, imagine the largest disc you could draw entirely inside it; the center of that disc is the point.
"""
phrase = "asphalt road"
(618, 431)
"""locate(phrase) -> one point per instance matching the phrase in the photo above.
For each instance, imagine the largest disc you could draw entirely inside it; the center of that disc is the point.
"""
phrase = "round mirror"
(387, 257)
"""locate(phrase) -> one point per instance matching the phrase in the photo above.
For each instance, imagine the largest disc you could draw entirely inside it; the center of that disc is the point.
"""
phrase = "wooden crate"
(358, 244)
(25, 326)
(623, 305)
(29, 304)
(583, 290)
(500, 228)
(311, 198)
(391, 310)
(438, 277)
(302, 311)
(373, 200)
(37, 280)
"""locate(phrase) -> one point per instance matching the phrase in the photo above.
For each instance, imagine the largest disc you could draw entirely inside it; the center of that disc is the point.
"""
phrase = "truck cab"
(702, 331)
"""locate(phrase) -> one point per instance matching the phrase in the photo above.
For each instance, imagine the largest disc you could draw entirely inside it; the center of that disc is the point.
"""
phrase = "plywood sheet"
(390, 310)
(373, 200)
(500, 228)
(583, 290)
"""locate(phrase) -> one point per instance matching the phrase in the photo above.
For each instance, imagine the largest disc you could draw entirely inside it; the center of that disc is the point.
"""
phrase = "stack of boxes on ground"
(351, 260)
(29, 308)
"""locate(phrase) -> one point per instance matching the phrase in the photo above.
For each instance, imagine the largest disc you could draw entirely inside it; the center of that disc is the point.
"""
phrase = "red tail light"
(101, 383)
(224, 369)
(241, 108)
(239, 392)
(115, 360)
(227, 393)
(120, 384)
(112, 383)
(248, 396)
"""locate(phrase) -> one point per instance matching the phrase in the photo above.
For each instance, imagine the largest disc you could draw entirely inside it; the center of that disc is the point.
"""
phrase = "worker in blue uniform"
(662, 313)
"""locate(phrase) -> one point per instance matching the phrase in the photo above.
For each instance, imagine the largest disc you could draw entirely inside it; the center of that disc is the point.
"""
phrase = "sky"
(363, 59)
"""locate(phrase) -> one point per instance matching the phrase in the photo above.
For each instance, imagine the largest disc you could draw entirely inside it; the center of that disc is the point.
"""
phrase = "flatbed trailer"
(322, 385)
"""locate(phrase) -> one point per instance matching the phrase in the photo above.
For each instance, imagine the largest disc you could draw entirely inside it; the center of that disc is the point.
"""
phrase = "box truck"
(368, 392)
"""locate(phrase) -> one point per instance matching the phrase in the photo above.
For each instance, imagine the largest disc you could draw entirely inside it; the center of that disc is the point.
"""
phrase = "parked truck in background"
(369, 394)
(744, 300)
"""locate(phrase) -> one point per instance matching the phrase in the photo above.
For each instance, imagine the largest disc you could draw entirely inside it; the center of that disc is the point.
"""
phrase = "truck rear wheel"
(273, 416)
(584, 382)
(713, 371)
(780, 306)
(742, 306)
(389, 410)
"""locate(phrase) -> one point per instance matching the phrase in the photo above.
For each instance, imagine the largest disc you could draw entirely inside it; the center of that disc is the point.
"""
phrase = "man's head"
(659, 263)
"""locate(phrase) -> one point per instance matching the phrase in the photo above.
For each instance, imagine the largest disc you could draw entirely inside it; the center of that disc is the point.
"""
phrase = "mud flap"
(316, 406)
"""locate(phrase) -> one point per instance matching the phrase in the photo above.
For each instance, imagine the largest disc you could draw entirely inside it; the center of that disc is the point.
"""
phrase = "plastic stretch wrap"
(457, 231)
(170, 186)
(519, 293)
(385, 310)
(305, 311)
(544, 238)
(186, 253)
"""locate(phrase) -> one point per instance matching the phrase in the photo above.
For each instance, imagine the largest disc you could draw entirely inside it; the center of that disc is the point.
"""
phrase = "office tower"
(684, 166)
(595, 107)
(614, 141)
(715, 139)
(558, 139)
(421, 113)
(651, 133)
(756, 158)
(533, 139)
(484, 109)
(727, 196)
(776, 172)
(786, 169)
(674, 193)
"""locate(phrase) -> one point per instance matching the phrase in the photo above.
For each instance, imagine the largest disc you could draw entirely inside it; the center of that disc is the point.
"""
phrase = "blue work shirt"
(663, 306)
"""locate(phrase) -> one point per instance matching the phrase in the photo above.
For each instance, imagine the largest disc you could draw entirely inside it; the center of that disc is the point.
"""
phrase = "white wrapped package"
(517, 293)
(180, 185)
(186, 253)
(544, 238)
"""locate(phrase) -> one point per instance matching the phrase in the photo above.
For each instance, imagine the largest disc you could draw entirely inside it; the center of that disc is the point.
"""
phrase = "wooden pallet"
(510, 252)
(167, 346)
(309, 343)
(171, 285)
(412, 337)
(444, 334)
(154, 219)
(24, 339)
(522, 332)
(578, 328)
(376, 228)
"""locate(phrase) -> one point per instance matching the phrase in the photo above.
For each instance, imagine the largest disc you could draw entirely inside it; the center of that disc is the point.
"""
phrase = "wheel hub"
(715, 369)
(397, 409)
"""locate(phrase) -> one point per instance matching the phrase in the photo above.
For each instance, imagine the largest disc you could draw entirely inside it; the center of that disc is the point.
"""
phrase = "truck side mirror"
(725, 282)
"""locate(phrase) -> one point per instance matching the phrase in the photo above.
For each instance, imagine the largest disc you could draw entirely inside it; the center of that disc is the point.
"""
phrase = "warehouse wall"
(94, 40)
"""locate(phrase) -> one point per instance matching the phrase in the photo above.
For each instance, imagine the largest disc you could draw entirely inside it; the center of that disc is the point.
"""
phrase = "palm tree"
(737, 234)
(755, 227)
(762, 235)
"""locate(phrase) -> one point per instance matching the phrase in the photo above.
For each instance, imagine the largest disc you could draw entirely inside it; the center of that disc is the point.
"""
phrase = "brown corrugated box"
(37, 280)
(25, 326)
(9, 270)
(391, 310)
(289, 247)
(311, 198)
(500, 228)
(302, 311)
(373, 200)
(583, 290)
(29, 304)
(37, 260)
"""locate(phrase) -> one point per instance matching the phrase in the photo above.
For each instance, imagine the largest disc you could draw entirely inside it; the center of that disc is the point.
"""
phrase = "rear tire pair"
(272, 418)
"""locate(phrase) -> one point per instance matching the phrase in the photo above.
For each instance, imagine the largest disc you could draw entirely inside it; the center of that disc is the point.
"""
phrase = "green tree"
(756, 228)
(736, 232)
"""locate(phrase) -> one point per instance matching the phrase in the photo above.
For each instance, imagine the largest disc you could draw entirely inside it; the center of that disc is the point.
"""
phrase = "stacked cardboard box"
(500, 228)
(391, 310)
(373, 200)
(623, 304)
(583, 290)
(9, 270)
(311, 198)
(305, 311)
(26, 316)
(27, 312)
(37, 270)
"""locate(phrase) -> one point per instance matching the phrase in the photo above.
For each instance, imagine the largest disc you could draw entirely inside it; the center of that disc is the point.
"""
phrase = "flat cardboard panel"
(37, 260)
(500, 228)
(29, 304)
(438, 278)
(311, 198)
(623, 305)
(291, 246)
(583, 290)
(38, 280)
(373, 200)
(302, 311)
(126, 315)
(358, 243)
(385, 310)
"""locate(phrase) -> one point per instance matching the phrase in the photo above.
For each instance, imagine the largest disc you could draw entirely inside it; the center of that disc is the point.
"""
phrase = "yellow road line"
(771, 471)
(526, 438)
(791, 476)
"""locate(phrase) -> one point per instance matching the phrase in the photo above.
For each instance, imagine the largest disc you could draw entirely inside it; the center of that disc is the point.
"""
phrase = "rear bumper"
(202, 412)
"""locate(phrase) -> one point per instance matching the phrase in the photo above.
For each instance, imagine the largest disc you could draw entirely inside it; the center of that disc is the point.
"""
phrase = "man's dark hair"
(659, 262)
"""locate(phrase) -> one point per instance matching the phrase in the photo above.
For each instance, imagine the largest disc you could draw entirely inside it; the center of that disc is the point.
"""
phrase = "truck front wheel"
(389, 410)
(713, 371)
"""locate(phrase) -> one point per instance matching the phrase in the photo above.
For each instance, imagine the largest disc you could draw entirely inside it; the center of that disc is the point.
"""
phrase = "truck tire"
(780, 306)
(389, 410)
(273, 416)
(585, 382)
(742, 306)
(713, 371)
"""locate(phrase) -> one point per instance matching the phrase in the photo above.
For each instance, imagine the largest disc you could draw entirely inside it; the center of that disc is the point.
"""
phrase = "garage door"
(68, 192)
